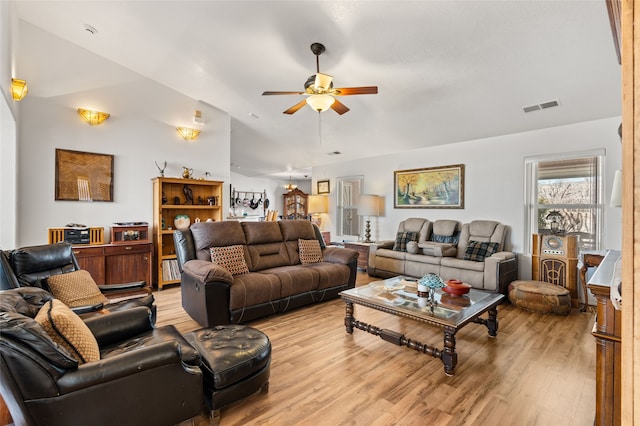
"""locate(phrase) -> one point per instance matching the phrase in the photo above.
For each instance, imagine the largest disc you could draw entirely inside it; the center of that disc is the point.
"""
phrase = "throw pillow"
(478, 251)
(231, 258)
(310, 251)
(75, 289)
(68, 330)
(402, 238)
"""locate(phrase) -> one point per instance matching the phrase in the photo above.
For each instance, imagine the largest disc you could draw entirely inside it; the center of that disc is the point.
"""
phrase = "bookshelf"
(172, 197)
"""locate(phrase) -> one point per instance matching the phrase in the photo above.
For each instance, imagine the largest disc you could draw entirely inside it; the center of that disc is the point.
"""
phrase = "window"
(570, 186)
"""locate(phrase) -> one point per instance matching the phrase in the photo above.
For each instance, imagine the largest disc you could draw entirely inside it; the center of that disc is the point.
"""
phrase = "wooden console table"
(607, 331)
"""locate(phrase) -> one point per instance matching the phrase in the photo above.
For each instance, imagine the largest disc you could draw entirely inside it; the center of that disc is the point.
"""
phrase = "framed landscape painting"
(433, 188)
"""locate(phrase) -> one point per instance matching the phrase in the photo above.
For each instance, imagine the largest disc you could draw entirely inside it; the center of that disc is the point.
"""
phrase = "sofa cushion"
(292, 230)
(271, 255)
(76, 288)
(218, 234)
(479, 250)
(68, 330)
(231, 258)
(402, 238)
(253, 289)
(310, 251)
(262, 232)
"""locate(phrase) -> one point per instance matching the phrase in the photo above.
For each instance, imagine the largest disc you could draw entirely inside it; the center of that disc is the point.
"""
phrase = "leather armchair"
(31, 266)
(145, 375)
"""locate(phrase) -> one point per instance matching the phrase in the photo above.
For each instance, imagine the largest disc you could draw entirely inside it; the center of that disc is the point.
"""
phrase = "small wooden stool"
(540, 297)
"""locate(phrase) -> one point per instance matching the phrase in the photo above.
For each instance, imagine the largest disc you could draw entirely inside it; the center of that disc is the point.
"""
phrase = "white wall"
(494, 179)
(140, 131)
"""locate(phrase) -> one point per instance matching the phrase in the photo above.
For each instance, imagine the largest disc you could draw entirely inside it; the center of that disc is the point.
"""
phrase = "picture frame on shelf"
(432, 187)
(323, 187)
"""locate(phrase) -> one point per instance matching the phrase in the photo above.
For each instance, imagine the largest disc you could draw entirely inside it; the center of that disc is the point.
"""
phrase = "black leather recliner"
(145, 375)
(31, 266)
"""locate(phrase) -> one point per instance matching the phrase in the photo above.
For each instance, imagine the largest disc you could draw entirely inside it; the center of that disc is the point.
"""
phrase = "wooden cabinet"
(197, 200)
(607, 331)
(363, 253)
(117, 263)
(295, 205)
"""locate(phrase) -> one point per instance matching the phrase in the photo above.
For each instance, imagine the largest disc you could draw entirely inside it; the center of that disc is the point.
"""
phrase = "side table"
(589, 260)
(363, 250)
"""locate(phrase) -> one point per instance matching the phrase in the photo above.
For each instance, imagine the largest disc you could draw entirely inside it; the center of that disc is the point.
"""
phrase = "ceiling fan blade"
(282, 93)
(296, 107)
(339, 107)
(364, 90)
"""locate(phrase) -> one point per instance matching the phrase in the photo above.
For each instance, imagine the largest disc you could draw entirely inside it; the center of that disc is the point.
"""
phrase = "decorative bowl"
(457, 289)
(182, 222)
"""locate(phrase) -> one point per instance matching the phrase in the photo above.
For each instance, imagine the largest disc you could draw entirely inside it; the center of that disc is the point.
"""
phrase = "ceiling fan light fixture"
(323, 81)
(320, 103)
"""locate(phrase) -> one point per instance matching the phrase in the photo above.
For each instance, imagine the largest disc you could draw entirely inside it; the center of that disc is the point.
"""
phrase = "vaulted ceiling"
(447, 71)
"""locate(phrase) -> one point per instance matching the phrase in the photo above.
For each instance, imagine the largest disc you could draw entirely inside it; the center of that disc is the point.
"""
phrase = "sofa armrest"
(117, 326)
(500, 269)
(386, 244)
(339, 255)
(205, 271)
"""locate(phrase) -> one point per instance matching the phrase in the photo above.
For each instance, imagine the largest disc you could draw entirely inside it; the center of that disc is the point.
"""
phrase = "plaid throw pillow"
(402, 238)
(231, 258)
(477, 251)
(310, 251)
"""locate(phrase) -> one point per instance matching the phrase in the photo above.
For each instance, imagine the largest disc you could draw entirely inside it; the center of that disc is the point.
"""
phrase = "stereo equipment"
(555, 260)
(76, 236)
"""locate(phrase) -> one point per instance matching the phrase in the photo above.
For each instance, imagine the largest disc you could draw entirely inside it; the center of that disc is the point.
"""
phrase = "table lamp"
(368, 205)
(317, 206)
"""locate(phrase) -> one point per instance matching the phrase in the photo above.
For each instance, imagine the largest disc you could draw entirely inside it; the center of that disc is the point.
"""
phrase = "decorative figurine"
(164, 198)
(176, 201)
(161, 169)
(188, 194)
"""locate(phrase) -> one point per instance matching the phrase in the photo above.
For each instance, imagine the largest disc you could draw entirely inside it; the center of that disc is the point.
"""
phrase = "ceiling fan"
(320, 90)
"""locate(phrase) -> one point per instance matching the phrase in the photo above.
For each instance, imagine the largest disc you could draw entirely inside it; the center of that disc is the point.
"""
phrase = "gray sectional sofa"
(471, 252)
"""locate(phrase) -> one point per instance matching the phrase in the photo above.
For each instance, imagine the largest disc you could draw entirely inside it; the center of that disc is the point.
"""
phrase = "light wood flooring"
(540, 370)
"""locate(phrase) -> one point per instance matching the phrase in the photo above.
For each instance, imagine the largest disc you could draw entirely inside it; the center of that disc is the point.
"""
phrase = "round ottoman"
(235, 363)
(541, 297)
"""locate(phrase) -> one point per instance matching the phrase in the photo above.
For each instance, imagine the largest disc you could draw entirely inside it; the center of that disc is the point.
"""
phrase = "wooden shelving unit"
(170, 196)
(295, 205)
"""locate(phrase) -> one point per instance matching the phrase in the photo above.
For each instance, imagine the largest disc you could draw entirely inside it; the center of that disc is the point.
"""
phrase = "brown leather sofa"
(144, 375)
(276, 282)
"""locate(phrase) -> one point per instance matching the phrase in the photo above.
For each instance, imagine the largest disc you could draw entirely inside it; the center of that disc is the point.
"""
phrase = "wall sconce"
(187, 133)
(93, 117)
(19, 89)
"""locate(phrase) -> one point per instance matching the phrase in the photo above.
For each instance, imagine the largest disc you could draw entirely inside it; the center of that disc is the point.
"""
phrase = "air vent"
(543, 105)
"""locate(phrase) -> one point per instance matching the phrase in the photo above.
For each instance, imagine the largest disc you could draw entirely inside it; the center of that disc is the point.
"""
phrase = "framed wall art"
(433, 187)
(83, 176)
(323, 187)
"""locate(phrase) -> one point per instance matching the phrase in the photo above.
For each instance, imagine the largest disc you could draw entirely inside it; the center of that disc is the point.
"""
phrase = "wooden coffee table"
(450, 314)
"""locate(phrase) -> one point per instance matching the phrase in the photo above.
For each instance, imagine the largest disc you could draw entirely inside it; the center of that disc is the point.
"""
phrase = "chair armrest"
(339, 255)
(386, 244)
(117, 326)
(500, 270)
(205, 271)
(124, 366)
(124, 286)
(88, 308)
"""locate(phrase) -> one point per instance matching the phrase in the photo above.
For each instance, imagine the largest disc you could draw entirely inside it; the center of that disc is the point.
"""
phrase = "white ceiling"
(447, 71)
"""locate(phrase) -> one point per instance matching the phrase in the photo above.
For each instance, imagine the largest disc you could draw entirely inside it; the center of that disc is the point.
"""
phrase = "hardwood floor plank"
(539, 370)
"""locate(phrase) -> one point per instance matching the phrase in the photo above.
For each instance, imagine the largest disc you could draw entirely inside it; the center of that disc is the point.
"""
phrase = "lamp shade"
(187, 133)
(318, 204)
(320, 102)
(368, 205)
(616, 190)
(93, 117)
